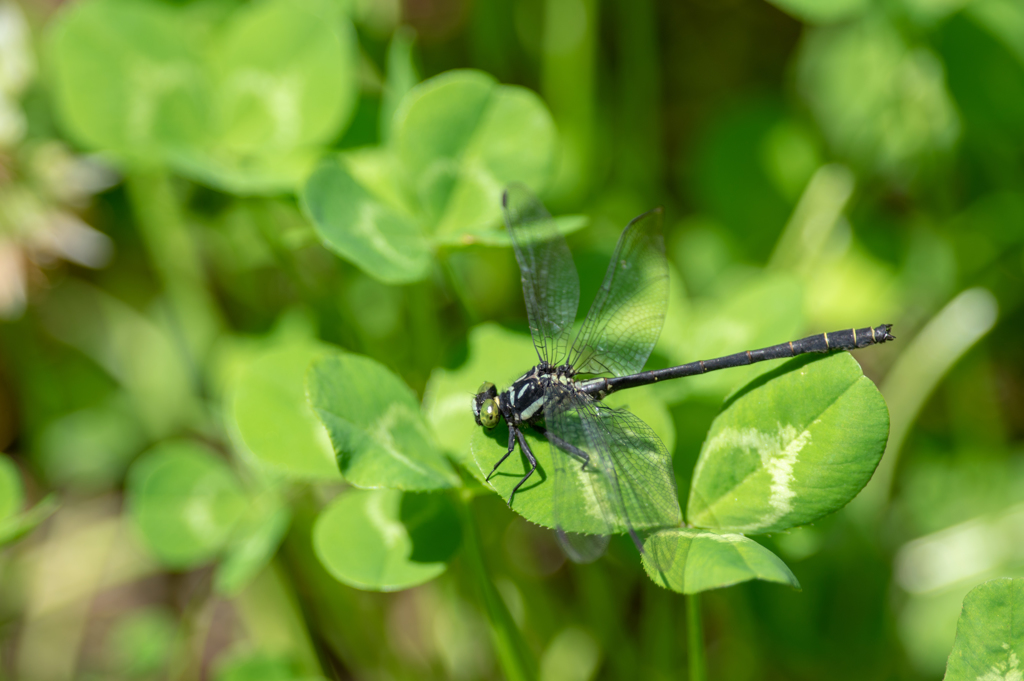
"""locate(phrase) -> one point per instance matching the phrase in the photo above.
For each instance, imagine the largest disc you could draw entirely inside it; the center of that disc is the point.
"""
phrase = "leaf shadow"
(500, 436)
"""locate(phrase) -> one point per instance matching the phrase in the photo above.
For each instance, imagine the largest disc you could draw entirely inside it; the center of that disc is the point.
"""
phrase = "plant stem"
(568, 84)
(514, 656)
(424, 319)
(174, 257)
(695, 639)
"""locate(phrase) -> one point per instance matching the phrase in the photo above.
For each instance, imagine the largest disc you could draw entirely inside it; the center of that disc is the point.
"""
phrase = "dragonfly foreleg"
(525, 448)
(511, 446)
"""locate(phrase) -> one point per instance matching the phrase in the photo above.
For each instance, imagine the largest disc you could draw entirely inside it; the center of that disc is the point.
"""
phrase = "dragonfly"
(606, 461)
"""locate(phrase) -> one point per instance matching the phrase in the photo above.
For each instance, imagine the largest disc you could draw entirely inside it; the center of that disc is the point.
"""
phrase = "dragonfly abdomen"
(847, 339)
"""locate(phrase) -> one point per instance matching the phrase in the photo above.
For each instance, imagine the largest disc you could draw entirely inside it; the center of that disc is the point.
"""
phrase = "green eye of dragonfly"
(489, 413)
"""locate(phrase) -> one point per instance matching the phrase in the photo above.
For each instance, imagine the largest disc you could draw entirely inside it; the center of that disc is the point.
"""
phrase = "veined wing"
(625, 320)
(551, 287)
(612, 474)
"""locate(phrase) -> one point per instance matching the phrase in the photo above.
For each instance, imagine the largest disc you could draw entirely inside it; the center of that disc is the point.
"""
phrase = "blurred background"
(822, 163)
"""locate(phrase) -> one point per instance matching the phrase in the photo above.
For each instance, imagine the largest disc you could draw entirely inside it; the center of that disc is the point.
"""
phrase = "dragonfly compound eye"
(489, 413)
(485, 406)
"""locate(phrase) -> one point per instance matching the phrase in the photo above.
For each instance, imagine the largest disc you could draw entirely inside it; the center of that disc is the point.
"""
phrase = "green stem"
(174, 257)
(695, 639)
(424, 320)
(569, 83)
(513, 654)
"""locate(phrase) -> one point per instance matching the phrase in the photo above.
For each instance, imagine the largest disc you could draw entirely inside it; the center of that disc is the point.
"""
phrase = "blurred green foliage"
(202, 199)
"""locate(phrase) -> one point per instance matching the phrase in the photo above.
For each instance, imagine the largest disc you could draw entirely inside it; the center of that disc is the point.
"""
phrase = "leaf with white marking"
(791, 446)
(460, 138)
(245, 106)
(700, 560)
(455, 142)
(383, 540)
(375, 425)
(127, 77)
(989, 643)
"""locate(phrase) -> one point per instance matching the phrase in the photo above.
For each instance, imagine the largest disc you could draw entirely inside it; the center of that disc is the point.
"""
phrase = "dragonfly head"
(485, 406)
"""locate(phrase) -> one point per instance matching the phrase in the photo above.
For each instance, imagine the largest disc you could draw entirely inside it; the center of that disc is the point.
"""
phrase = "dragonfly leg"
(525, 448)
(568, 448)
(511, 446)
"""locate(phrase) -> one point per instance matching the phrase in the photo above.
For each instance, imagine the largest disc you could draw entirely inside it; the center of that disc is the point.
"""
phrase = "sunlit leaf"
(461, 137)
(375, 425)
(384, 540)
(382, 240)
(455, 142)
(989, 641)
(185, 501)
(791, 446)
(272, 418)
(271, 173)
(699, 560)
(243, 105)
(283, 74)
(128, 77)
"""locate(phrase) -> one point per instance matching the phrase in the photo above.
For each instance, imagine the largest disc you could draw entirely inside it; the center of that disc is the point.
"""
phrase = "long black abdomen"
(848, 339)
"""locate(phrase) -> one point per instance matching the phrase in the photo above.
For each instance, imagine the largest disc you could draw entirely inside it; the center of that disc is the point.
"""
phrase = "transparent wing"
(625, 320)
(612, 474)
(551, 287)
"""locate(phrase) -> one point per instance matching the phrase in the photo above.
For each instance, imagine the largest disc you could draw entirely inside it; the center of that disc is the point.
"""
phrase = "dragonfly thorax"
(524, 400)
